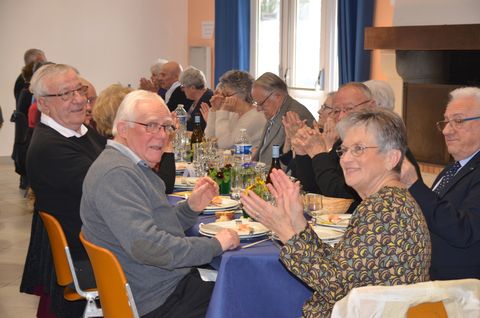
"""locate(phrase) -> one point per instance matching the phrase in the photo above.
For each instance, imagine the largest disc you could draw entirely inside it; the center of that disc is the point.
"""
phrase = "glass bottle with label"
(197, 136)
(275, 161)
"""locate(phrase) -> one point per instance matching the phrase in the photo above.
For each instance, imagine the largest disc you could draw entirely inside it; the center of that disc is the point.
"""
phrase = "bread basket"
(335, 205)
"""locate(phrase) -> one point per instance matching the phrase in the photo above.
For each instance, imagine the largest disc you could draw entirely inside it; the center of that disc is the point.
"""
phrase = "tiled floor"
(15, 219)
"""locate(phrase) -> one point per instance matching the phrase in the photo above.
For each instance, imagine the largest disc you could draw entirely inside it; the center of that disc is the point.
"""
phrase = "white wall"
(433, 12)
(108, 41)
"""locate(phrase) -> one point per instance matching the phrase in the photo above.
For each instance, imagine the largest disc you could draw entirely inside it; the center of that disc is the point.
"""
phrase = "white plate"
(185, 183)
(211, 229)
(327, 234)
(227, 204)
(340, 221)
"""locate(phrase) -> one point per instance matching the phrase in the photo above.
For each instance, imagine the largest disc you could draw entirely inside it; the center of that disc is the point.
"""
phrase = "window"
(296, 39)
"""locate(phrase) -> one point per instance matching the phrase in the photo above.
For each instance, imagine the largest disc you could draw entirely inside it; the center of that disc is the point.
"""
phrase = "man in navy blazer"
(452, 206)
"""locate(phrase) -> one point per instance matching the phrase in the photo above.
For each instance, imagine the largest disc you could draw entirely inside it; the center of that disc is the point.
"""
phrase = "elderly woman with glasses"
(232, 110)
(387, 241)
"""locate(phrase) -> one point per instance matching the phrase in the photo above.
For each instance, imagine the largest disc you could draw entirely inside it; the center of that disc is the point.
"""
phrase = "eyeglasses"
(91, 100)
(228, 95)
(337, 110)
(456, 123)
(68, 95)
(257, 104)
(154, 128)
(325, 108)
(356, 150)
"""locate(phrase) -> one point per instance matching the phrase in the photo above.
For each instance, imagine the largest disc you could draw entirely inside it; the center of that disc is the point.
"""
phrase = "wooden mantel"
(425, 37)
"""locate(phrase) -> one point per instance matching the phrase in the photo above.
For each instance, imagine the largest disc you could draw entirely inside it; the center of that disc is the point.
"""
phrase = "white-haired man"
(60, 153)
(452, 206)
(125, 209)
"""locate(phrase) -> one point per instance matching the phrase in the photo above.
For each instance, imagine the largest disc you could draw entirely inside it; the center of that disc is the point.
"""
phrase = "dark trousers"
(189, 300)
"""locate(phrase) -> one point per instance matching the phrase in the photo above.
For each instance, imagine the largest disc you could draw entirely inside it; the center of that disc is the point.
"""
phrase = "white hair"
(126, 110)
(382, 93)
(464, 92)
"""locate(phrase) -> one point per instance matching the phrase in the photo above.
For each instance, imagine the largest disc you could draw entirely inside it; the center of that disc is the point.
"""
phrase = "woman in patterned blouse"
(387, 241)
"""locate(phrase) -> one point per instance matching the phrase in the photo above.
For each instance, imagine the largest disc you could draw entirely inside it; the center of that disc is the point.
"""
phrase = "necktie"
(447, 178)
(267, 132)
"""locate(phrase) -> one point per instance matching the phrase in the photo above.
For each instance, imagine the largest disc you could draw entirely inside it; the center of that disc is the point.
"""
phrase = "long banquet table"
(252, 282)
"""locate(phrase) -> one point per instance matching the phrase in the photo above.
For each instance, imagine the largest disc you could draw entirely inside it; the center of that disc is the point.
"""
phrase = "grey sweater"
(124, 209)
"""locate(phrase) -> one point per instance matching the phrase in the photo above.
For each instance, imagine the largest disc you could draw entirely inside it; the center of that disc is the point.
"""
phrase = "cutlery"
(255, 243)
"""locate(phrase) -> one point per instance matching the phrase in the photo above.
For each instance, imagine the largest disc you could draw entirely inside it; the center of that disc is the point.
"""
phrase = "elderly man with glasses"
(125, 209)
(452, 206)
(61, 151)
(271, 97)
(317, 162)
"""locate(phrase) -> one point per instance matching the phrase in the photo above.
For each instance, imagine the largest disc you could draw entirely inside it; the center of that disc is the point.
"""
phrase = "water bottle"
(180, 136)
(182, 116)
(242, 148)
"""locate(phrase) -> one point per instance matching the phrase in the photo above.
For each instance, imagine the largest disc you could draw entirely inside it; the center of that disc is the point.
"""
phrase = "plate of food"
(220, 203)
(340, 221)
(245, 228)
(185, 183)
(181, 165)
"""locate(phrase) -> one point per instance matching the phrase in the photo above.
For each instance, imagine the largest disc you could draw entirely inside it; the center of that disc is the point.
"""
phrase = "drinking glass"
(312, 202)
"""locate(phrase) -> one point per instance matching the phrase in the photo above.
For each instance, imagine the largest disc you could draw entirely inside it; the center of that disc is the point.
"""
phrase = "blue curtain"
(353, 60)
(232, 36)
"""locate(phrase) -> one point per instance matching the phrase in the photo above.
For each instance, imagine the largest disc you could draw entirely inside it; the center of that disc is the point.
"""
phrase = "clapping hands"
(286, 218)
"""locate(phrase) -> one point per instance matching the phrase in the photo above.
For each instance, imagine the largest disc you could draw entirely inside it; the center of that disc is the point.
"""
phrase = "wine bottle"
(275, 161)
(197, 137)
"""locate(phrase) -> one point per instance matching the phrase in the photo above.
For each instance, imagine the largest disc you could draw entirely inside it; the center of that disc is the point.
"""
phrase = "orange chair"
(115, 293)
(427, 310)
(64, 269)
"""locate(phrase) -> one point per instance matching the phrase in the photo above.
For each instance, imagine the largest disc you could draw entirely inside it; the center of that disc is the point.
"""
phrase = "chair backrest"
(59, 246)
(115, 294)
(427, 310)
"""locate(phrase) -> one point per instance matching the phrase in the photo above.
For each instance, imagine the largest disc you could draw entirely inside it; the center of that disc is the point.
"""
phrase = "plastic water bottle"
(182, 116)
(242, 148)
(181, 136)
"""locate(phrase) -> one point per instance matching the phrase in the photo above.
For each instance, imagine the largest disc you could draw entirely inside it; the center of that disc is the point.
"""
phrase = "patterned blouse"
(386, 243)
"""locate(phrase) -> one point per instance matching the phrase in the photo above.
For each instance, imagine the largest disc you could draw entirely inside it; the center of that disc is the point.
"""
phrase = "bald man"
(169, 80)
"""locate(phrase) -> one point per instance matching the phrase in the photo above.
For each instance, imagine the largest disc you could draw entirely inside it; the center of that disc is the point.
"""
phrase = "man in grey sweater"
(124, 209)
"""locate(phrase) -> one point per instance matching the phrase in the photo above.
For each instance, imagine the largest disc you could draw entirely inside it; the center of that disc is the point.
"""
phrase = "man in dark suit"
(169, 80)
(452, 206)
(271, 97)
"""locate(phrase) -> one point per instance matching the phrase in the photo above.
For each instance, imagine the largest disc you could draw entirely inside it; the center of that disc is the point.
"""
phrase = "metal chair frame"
(64, 267)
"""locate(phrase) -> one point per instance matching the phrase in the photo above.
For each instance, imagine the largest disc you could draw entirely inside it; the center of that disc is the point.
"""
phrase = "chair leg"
(91, 309)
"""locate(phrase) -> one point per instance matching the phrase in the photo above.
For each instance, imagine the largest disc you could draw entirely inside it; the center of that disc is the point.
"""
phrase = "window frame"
(328, 57)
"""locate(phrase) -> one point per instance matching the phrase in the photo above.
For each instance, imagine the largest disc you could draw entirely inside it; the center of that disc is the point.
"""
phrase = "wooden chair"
(427, 310)
(64, 268)
(115, 293)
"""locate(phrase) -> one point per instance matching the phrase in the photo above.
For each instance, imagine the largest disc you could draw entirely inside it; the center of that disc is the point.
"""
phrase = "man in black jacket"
(317, 163)
(169, 80)
(31, 55)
